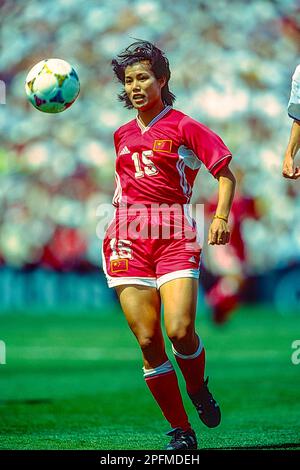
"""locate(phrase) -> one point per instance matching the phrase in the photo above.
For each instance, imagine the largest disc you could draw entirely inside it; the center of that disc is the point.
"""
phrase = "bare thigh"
(142, 308)
(179, 297)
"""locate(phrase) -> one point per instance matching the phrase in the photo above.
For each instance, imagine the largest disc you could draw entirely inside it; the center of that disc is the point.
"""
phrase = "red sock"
(163, 384)
(192, 368)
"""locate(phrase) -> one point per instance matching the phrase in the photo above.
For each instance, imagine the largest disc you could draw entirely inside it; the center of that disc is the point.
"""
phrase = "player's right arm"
(289, 169)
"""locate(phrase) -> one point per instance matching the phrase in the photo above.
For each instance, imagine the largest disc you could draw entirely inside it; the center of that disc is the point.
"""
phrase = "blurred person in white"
(289, 169)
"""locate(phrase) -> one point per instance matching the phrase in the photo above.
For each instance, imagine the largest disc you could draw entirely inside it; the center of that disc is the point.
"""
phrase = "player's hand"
(219, 233)
(288, 170)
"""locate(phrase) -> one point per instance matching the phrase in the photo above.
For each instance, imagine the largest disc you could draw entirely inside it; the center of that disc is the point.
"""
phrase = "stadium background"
(231, 66)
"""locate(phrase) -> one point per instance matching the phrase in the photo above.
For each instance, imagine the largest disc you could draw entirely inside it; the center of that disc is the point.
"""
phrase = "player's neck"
(146, 116)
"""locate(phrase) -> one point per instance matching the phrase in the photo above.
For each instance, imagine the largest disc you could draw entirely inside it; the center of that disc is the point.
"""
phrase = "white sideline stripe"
(237, 356)
(89, 354)
(45, 352)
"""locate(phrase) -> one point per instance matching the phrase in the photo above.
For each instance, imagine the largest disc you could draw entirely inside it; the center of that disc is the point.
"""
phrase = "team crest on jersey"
(117, 265)
(163, 145)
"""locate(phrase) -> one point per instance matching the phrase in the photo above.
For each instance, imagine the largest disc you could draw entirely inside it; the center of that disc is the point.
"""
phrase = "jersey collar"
(154, 120)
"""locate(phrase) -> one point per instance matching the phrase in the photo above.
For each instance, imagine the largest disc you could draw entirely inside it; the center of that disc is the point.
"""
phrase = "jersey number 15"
(144, 166)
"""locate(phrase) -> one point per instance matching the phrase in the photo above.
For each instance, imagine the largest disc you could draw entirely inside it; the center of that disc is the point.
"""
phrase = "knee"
(146, 340)
(180, 331)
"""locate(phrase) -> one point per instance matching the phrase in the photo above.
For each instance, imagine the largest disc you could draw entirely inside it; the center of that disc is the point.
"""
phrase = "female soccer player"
(151, 252)
(289, 169)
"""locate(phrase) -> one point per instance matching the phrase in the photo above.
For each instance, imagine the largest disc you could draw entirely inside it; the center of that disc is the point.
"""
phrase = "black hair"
(136, 52)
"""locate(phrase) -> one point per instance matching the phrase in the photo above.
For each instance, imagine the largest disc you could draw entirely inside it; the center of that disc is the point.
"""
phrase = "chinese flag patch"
(163, 145)
(117, 265)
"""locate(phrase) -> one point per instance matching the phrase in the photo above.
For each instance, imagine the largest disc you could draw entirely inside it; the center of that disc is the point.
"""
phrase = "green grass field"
(75, 382)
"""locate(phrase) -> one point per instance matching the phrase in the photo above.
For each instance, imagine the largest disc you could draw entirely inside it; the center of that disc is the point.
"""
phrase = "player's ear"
(162, 81)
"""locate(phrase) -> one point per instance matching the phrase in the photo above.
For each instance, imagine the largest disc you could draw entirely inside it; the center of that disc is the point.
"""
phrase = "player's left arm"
(219, 233)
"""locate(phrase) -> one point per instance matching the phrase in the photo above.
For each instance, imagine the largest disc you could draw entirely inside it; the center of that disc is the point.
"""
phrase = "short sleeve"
(208, 146)
(294, 102)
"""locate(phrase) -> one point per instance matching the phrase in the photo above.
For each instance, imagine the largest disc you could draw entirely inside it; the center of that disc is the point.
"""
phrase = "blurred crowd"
(231, 66)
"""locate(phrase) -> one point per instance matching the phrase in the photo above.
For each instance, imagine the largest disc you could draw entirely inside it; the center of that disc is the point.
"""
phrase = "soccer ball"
(52, 85)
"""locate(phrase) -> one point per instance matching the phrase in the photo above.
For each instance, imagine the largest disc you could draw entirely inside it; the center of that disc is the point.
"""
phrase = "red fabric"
(207, 145)
(159, 163)
(65, 250)
(193, 371)
(165, 390)
(225, 162)
(223, 298)
(172, 247)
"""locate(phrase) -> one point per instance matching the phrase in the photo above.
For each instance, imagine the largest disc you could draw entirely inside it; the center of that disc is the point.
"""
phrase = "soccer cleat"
(182, 440)
(208, 409)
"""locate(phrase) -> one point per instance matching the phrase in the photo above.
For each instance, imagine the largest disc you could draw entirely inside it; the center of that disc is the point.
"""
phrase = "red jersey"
(159, 163)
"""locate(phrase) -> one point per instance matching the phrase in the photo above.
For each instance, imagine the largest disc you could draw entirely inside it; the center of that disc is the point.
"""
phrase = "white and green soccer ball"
(52, 85)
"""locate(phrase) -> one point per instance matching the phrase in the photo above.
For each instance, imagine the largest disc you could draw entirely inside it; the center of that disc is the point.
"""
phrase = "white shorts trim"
(194, 273)
(141, 281)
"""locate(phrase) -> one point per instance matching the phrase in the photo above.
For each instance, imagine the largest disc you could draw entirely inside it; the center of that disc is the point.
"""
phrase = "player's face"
(142, 87)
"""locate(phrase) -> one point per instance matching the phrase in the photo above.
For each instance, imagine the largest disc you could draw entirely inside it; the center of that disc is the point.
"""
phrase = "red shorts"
(150, 248)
